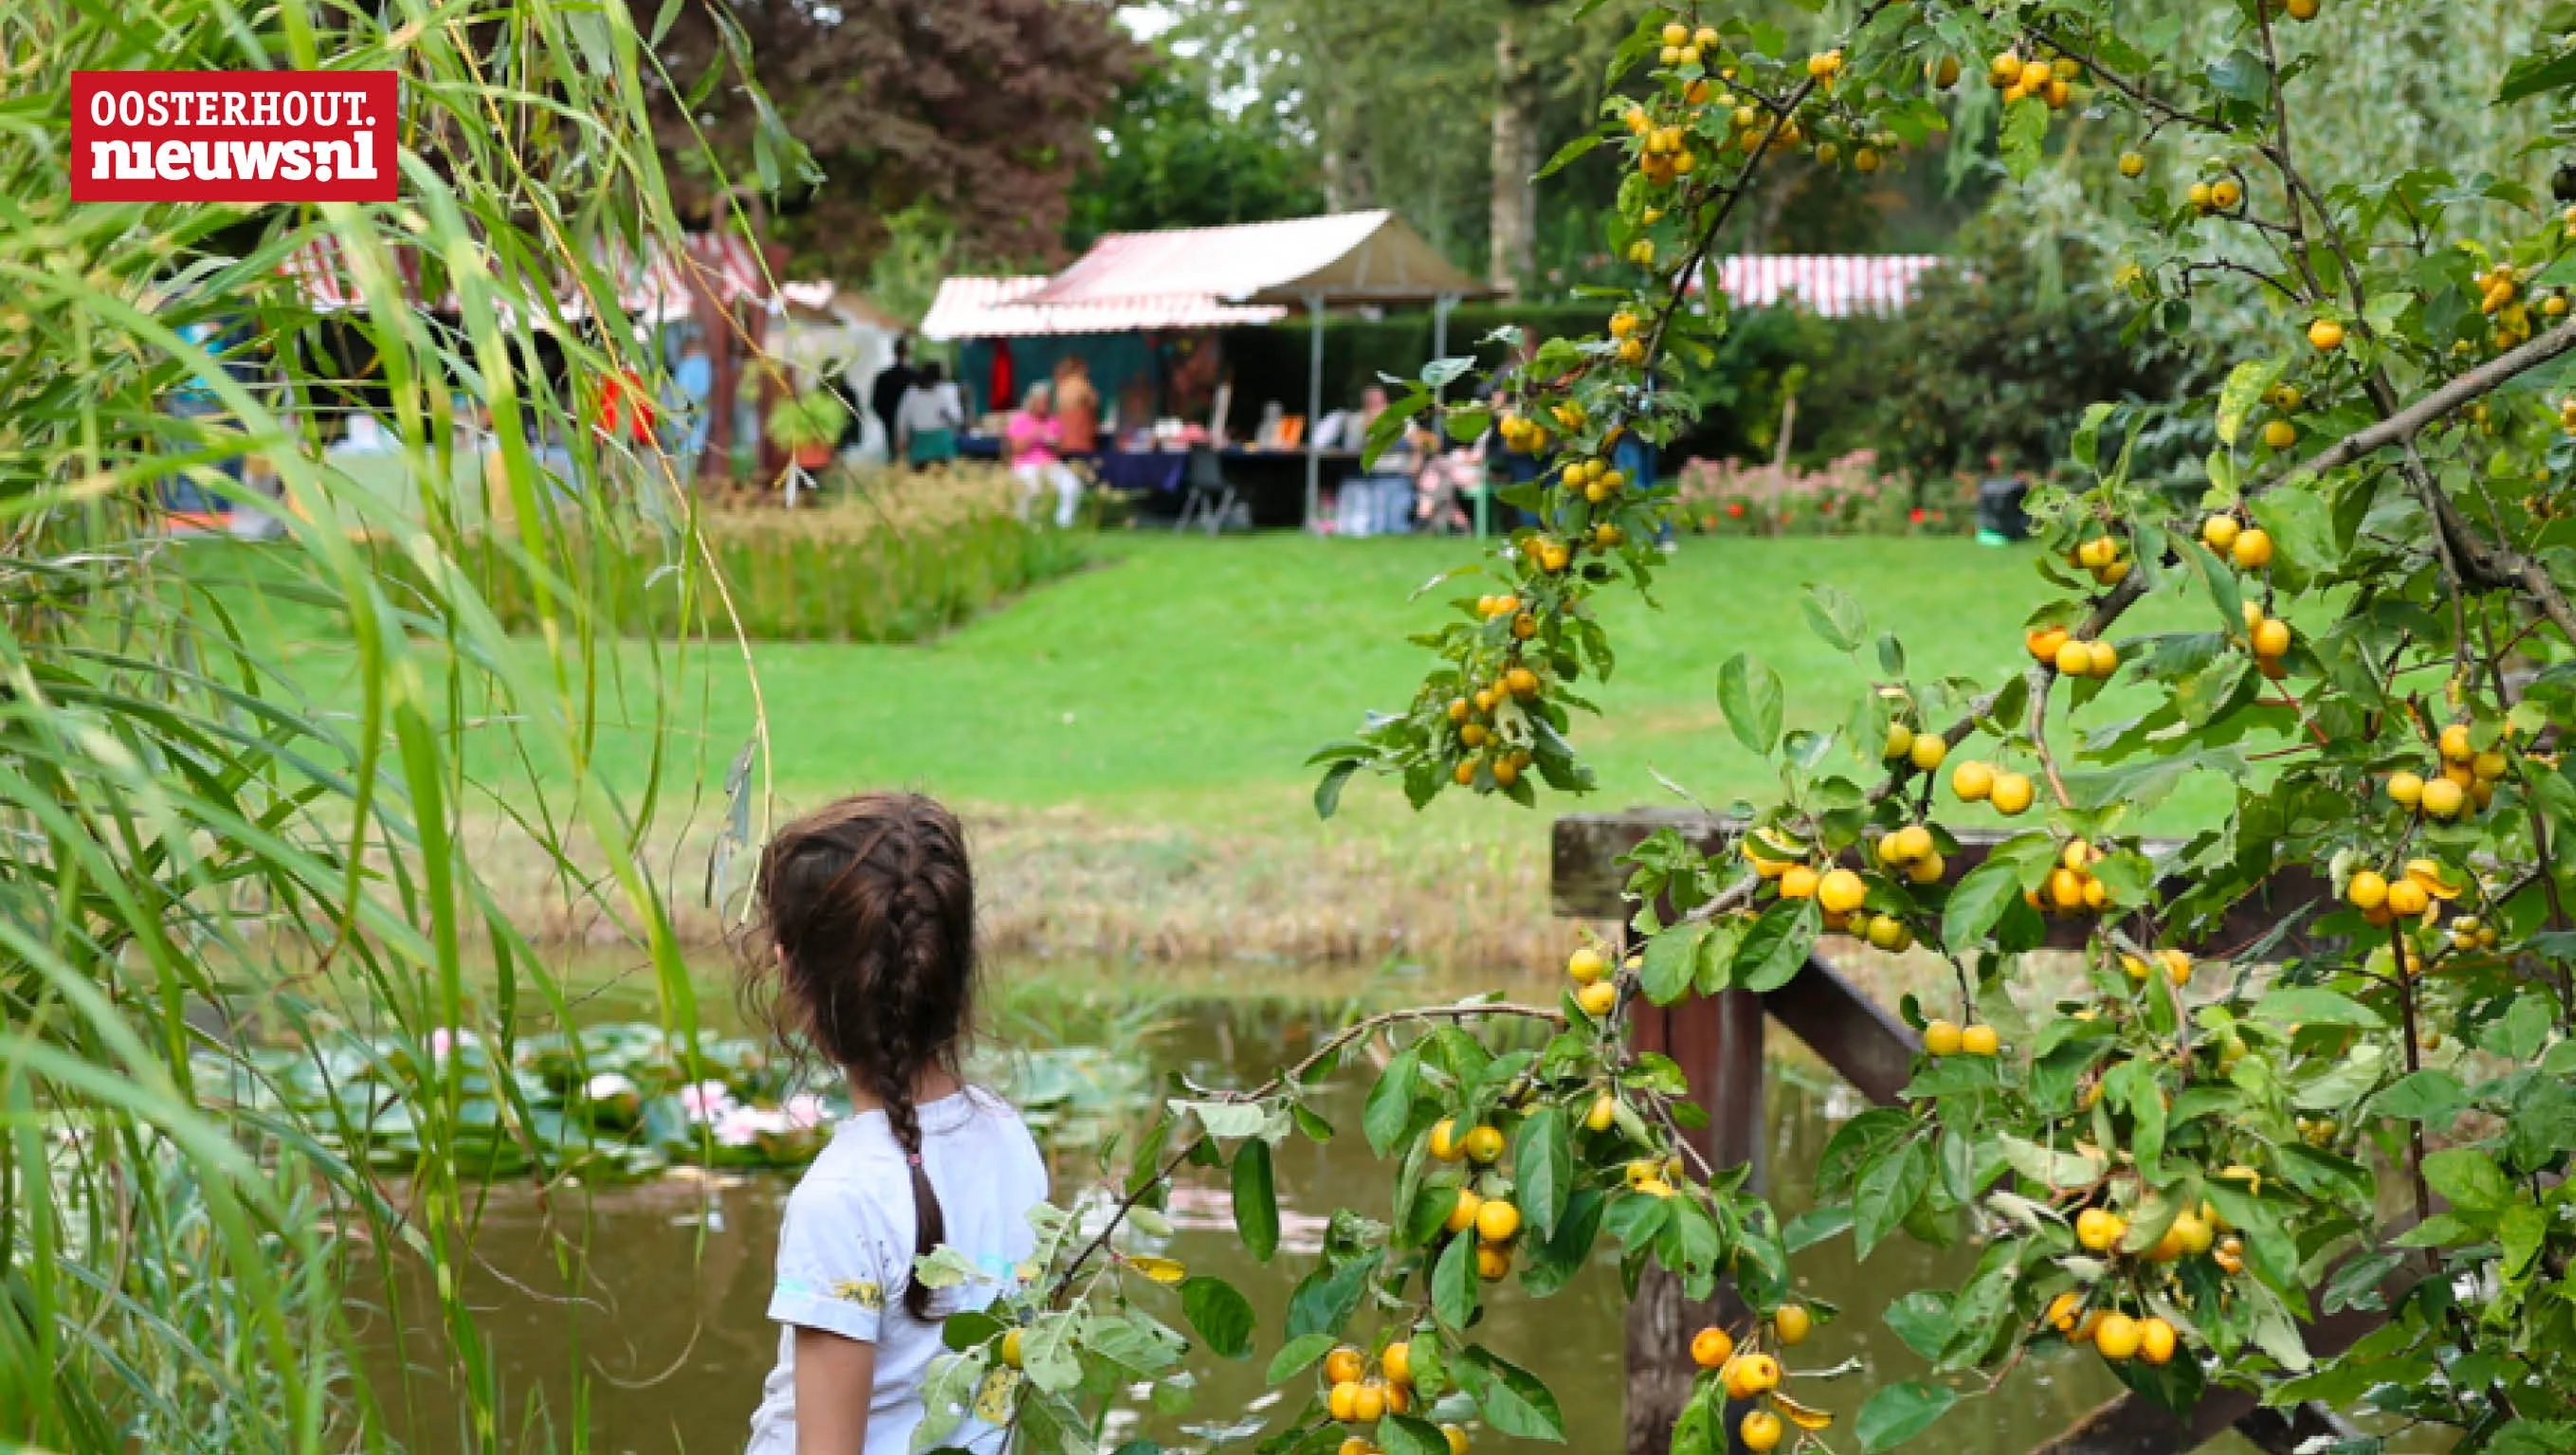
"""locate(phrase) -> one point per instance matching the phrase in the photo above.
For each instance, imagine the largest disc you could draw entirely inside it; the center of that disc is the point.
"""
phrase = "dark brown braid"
(873, 904)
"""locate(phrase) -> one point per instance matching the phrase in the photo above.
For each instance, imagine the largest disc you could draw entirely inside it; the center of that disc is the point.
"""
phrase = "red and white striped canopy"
(985, 307)
(654, 291)
(1831, 286)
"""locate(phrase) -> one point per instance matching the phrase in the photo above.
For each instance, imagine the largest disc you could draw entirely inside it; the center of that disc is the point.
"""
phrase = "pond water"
(658, 1289)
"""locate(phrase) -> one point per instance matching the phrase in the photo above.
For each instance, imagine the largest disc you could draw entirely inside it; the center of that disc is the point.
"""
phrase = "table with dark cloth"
(1161, 471)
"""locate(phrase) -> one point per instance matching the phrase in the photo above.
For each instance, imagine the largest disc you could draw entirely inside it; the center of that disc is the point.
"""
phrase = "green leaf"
(1897, 1413)
(2535, 74)
(1410, 1435)
(2242, 391)
(1325, 1298)
(2086, 446)
(1328, 789)
(1389, 1112)
(1391, 423)
(2304, 1006)
(1427, 1215)
(1814, 1226)
(1453, 1283)
(1978, 901)
(1221, 1314)
(963, 1331)
(1689, 1246)
(1567, 154)
(2302, 528)
(1671, 962)
(1512, 1399)
(1296, 1355)
(1542, 1168)
(1554, 1262)
(2047, 1167)
(1889, 1189)
(2025, 128)
(1749, 693)
(1776, 948)
(2469, 1178)
(2212, 692)
(1256, 1205)
(2520, 1232)
(2441, 1230)
(1467, 425)
(2240, 75)
(2431, 1096)
(1922, 1320)
(1717, 955)
(1697, 1431)
(1833, 615)
(2220, 578)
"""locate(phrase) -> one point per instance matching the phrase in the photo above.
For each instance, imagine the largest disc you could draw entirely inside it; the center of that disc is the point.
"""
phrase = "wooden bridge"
(1718, 1042)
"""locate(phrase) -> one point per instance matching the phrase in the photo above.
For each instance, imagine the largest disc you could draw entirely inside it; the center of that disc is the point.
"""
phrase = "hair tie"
(913, 1158)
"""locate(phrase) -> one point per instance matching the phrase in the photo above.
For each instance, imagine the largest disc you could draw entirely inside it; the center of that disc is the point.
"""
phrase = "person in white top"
(867, 910)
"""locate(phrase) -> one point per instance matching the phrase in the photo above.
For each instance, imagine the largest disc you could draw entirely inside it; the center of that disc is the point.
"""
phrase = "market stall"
(1351, 259)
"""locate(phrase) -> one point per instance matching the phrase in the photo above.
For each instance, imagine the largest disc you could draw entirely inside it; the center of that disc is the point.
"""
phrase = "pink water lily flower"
(706, 1101)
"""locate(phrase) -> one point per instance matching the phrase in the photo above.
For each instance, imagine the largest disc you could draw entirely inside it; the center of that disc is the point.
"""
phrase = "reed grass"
(198, 858)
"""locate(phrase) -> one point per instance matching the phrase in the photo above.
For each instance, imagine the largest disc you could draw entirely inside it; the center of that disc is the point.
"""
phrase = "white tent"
(1344, 258)
(990, 307)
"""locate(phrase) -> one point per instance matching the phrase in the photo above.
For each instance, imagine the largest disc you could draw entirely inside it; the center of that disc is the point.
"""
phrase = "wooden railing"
(1718, 1043)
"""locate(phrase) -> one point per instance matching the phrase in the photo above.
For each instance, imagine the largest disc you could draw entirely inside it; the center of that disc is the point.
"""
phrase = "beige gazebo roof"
(1343, 258)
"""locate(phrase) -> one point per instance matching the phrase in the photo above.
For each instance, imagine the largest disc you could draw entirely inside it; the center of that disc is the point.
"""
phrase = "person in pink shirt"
(1033, 443)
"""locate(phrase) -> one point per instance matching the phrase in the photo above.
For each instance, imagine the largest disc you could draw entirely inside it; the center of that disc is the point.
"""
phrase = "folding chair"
(1209, 500)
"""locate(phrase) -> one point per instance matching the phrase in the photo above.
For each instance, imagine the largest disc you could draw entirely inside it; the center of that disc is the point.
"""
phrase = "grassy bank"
(1129, 741)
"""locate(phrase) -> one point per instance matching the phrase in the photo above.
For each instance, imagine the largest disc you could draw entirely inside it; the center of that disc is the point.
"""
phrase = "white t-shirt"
(845, 1255)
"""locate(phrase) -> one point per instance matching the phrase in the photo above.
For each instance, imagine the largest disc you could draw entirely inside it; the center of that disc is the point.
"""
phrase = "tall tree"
(1171, 156)
(983, 108)
(1439, 109)
(1513, 210)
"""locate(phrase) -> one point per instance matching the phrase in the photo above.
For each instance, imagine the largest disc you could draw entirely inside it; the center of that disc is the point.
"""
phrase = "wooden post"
(715, 328)
(1718, 1043)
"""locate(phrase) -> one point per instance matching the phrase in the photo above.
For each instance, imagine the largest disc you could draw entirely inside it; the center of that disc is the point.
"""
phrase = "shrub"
(2002, 351)
(886, 556)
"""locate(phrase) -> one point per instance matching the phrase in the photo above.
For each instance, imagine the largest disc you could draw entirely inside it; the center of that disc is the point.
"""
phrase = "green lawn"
(1190, 678)
(1186, 681)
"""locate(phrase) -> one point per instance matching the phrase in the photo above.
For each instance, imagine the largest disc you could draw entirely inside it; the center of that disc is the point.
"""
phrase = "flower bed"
(1848, 496)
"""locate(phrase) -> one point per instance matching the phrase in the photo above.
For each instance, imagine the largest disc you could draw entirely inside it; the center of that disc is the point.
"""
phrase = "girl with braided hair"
(865, 951)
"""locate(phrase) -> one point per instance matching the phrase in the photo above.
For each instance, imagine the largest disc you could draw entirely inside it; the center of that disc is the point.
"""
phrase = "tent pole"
(1440, 307)
(1314, 411)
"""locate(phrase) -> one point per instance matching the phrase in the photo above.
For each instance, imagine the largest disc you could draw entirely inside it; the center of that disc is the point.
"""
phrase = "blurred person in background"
(1033, 443)
(927, 419)
(1077, 407)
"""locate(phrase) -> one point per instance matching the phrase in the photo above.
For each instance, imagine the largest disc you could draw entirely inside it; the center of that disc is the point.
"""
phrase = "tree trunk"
(1345, 166)
(1514, 223)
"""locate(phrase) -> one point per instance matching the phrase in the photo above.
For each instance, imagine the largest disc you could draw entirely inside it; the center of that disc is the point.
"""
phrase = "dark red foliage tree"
(983, 107)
